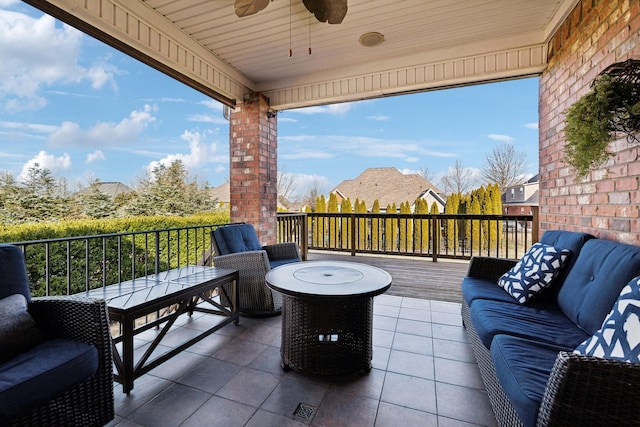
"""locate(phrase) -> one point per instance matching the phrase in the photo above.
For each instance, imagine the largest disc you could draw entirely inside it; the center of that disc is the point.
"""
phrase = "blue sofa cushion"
(18, 331)
(236, 238)
(523, 368)
(619, 336)
(534, 272)
(36, 376)
(594, 283)
(478, 288)
(546, 325)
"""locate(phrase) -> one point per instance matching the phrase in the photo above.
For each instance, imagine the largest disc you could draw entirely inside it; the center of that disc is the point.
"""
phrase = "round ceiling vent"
(371, 39)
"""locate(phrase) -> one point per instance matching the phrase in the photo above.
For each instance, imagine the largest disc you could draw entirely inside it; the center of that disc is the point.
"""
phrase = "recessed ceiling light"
(371, 39)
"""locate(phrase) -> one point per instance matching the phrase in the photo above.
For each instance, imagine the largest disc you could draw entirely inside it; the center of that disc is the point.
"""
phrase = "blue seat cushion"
(478, 288)
(523, 368)
(236, 238)
(545, 325)
(36, 376)
(279, 262)
(594, 283)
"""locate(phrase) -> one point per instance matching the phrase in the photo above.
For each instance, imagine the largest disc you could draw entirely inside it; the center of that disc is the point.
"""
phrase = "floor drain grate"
(304, 411)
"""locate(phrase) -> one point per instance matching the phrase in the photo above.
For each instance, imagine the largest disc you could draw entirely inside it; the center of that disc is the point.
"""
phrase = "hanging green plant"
(612, 107)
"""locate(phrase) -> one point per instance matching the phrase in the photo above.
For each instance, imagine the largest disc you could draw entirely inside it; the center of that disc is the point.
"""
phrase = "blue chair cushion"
(545, 325)
(236, 238)
(523, 368)
(619, 336)
(13, 272)
(279, 262)
(594, 283)
(534, 272)
(40, 374)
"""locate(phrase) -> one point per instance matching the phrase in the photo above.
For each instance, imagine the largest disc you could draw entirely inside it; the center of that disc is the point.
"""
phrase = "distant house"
(519, 199)
(388, 186)
(111, 189)
(222, 193)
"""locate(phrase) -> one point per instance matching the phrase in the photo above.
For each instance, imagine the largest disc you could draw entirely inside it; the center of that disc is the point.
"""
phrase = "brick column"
(253, 169)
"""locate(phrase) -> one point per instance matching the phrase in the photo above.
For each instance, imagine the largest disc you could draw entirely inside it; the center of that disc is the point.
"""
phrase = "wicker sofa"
(55, 354)
(526, 352)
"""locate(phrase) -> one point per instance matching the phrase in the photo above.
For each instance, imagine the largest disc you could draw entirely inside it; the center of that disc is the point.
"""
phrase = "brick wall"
(253, 170)
(596, 34)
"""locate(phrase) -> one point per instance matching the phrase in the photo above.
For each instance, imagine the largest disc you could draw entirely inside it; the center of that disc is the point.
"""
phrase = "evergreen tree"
(452, 206)
(332, 207)
(345, 233)
(96, 204)
(361, 207)
(405, 229)
(319, 227)
(376, 225)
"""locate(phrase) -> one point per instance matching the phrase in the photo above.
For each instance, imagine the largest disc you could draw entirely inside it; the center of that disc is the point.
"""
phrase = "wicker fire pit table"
(327, 313)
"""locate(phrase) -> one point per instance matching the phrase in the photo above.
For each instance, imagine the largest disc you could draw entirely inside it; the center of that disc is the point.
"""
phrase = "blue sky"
(86, 111)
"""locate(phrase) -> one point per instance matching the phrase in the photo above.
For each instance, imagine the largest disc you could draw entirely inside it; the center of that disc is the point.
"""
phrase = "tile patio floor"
(423, 375)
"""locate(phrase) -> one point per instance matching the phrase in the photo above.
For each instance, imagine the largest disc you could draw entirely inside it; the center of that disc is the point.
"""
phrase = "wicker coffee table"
(327, 313)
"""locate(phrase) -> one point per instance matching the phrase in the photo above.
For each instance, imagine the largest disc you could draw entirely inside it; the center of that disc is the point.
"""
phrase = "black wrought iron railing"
(64, 266)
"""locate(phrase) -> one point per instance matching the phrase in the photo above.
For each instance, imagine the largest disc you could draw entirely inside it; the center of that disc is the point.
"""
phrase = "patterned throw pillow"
(534, 272)
(619, 336)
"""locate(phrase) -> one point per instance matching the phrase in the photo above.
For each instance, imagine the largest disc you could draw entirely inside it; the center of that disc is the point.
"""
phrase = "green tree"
(376, 224)
(41, 197)
(95, 204)
(405, 229)
(332, 207)
(361, 207)
(319, 226)
(452, 206)
(391, 228)
(345, 235)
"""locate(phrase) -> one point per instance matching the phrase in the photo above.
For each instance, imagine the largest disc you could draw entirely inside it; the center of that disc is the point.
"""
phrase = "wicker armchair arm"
(489, 267)
(248, 263)
(287, 250)
(584, 390)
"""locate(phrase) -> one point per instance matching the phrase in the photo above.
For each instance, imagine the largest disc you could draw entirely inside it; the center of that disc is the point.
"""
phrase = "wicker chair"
(88, 403)
(237, 247)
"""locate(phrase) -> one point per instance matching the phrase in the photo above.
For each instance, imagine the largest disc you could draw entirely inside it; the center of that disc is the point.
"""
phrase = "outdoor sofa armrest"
(586, 390)
(288, 250)
(490, 268)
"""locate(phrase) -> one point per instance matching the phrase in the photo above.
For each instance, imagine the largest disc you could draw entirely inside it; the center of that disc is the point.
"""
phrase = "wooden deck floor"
(413, 277)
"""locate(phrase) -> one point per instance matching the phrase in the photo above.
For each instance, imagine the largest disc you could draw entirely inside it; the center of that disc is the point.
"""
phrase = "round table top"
(328, 279)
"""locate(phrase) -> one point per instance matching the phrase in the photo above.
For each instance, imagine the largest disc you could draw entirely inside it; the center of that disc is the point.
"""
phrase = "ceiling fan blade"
(249, 7)
(331, 11)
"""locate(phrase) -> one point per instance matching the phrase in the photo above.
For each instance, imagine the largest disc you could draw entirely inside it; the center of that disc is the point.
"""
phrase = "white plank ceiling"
(428, 44)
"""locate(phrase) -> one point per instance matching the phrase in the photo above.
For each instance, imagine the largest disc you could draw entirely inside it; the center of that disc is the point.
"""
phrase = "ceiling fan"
(331, 11)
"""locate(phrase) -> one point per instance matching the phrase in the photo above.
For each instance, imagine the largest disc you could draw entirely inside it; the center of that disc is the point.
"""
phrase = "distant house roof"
(111, 189)
(388, 185)
(222, 193)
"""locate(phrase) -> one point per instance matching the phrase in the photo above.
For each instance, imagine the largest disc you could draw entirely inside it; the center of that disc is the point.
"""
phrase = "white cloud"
(305, 182)
(308, 154)
(286, 120)
(103, 134)
(46, 161)
(200, 153)
(208, 118)
(412, 159)
(35, 53)
(501, 138)
(533, 125)
(95, 156)
(379, 118)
